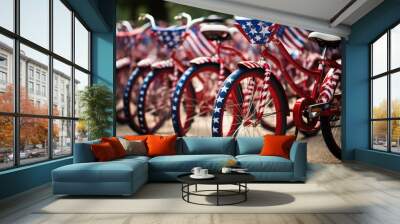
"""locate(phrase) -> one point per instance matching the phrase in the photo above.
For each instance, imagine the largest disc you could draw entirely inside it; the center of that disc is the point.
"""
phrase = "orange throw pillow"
(116, 145)
(135, 137)
(103, 152)
(277, 145)
(161, 145)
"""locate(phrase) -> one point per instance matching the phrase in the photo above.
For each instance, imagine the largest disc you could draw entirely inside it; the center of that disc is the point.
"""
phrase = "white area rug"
(166, 198)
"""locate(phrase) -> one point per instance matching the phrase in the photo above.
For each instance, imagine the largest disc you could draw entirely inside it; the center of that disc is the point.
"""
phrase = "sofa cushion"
(277, 145)
(257, 163)
(134, 147)
(112, 171)
(185, 163)
(206, 145)
(161, 145)
(249, 145)
(116, 145)
(103, 152)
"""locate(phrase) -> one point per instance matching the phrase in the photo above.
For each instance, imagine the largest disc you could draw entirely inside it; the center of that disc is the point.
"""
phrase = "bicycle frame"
(318, 75)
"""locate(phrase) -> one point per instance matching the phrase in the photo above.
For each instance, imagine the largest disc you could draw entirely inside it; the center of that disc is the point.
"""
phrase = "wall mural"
(220, 75)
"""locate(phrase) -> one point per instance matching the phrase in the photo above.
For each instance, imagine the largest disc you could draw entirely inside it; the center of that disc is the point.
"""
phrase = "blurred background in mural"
(190, 71)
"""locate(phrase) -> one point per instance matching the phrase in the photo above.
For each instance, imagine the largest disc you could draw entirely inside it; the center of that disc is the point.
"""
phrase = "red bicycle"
(154, 98)
(194, 95)
(252, 97)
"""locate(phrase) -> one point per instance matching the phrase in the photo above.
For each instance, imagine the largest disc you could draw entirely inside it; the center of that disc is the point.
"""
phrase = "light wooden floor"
(378, 189)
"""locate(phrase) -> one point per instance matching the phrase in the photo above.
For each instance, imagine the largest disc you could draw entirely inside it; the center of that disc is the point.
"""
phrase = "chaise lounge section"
(125, 176)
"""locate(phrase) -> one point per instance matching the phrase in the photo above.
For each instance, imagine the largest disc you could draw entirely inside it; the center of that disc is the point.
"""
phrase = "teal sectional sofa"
(125, 176)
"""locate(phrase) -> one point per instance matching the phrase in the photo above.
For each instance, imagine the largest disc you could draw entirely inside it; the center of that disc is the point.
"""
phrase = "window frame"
(16, 114)
(388, 74)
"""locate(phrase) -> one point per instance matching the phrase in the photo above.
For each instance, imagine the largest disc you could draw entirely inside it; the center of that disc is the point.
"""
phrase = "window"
(81, 45)
(7, 14)
(44, 91)
(49, 79)
(30, 72)
(35, 21)
(62, 29)
(30, 87)
(385, 95)
(7, 74)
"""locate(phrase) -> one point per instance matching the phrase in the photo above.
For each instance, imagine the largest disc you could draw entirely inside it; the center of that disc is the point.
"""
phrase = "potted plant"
(96, 103)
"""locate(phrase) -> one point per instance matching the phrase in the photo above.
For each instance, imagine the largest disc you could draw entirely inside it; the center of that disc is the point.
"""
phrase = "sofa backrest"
(249, 145)
(83, 152)
(206, 145)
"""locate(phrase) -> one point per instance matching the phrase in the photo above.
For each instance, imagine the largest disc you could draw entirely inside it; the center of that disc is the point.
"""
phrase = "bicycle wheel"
(131, 93)
(193, 100)
(331, 128)
(236, 107)
(154, 104)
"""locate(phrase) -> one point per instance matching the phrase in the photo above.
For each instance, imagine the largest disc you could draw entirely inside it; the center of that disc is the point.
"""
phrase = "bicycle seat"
(215, 32)
(326, 40)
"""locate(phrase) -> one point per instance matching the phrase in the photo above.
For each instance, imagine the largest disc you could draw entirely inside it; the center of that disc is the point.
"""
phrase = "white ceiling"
(329, 16)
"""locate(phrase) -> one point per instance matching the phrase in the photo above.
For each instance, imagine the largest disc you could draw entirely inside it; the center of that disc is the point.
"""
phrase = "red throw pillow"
(116, 145)
(161, 145)
(103, 152)
(277, 145)
(135, 137)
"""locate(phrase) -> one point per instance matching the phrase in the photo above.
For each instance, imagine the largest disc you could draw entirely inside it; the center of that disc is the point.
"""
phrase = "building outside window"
(385, 94)
(57, 129)
(3, 72)
(30, 87)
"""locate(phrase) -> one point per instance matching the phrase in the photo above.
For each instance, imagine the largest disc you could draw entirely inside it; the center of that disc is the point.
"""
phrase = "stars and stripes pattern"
(293, 38)
(264, 91)
(141, 102)
(219, 103)
(196, 43)
(328, 87)
(170, 37)
(256, 31)
(176, 95)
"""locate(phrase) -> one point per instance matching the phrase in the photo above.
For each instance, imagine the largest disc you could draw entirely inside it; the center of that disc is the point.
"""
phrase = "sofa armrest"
(83, 153)
(298, 155)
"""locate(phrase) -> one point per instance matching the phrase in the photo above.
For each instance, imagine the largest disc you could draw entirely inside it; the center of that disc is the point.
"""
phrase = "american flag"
(170, 37)
(258, 32)
(196, 43)
(293, 38)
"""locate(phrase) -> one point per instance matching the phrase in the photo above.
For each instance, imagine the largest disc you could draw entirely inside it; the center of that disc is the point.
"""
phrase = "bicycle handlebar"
(150, 18)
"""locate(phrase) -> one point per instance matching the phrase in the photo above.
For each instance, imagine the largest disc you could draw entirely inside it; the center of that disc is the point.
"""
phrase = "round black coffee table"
(238, 179)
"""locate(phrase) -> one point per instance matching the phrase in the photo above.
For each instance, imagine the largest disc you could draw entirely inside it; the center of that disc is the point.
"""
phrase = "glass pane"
(379, 97)
(81, 45)
(62, 29)
(379, 55)
(62, 138)
(395, 95)
(379, 135)
(395, 47)
(33, 139)
(6, 74)
(62, 89)
(34, 97)
(395, 135)
(81, 131)
(7, 14)
(81, 81)
(6, 142)
(35, 21)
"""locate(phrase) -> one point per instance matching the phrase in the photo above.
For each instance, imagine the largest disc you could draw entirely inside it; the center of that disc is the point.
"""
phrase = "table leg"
(195, 188)
(245, 193)
(217, 194)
